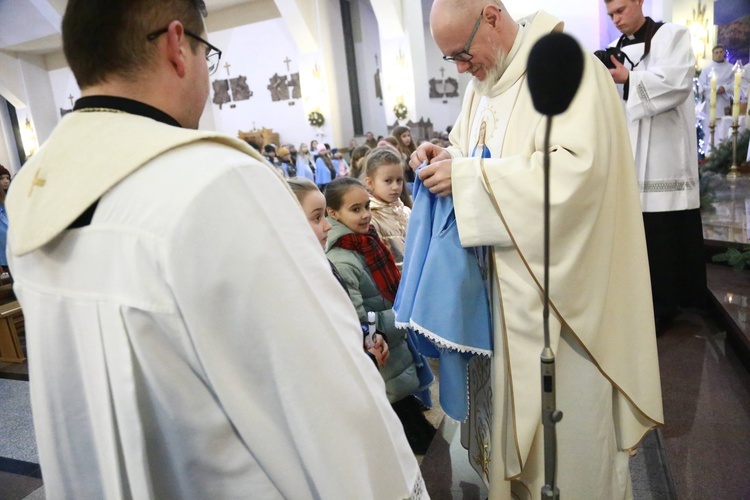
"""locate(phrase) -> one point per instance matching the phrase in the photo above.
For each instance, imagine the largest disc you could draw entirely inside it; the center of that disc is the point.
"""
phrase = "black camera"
(604, 56)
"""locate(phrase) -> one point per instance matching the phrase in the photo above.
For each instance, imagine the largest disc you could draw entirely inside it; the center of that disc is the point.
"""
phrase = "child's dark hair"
(300, 186)
(383, 155)
(337, 188)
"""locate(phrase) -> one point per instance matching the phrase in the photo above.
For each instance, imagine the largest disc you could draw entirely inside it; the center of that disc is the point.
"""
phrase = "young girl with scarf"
(372, 278)
(313, 205)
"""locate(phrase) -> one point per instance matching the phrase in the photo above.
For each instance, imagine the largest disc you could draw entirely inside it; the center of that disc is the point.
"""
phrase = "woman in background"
(406, 146)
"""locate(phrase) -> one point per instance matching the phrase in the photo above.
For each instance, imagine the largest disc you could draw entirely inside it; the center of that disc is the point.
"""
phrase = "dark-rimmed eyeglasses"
(464, 55)
(213, 54)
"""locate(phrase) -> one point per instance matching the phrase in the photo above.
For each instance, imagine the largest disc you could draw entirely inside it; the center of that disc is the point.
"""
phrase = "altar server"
(656, 89)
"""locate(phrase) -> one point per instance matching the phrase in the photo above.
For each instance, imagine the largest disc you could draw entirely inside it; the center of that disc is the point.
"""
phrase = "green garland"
(720, 160)
(713, 171)
(316, 119)
(739, 259)
(401, 111)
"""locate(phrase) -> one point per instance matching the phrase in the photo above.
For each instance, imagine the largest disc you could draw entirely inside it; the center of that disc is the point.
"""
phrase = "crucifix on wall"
(286, 87)
(63, 111)
(443, 87)
(230, 90)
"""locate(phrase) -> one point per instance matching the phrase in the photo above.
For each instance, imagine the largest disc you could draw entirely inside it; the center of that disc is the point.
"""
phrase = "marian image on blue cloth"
(443, 294)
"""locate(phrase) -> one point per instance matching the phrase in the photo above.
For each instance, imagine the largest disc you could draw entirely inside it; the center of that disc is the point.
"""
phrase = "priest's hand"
(620, 74)
(437, 177)
(379, 350)
(429, 153)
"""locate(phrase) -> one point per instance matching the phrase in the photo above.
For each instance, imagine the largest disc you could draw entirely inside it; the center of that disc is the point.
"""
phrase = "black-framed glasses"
(213, 54)
(464, 55)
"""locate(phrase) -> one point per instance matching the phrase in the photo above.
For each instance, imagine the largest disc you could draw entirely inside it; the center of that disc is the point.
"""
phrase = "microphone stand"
(550, 415)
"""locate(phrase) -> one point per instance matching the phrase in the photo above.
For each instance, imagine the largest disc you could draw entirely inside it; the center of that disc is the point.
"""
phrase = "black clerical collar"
(640, 35)
(126, 105)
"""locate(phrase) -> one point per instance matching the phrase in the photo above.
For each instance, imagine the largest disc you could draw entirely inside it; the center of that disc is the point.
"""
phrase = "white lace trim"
(440, 341)
(419, 491)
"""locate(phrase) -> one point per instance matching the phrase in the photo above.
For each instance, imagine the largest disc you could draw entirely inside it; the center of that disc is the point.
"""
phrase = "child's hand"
(379, 349)
(381, 344)
(378, 356)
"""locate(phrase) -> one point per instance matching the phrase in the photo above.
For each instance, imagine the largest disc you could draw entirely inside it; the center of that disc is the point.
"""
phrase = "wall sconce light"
(698, 27)
(28, 137)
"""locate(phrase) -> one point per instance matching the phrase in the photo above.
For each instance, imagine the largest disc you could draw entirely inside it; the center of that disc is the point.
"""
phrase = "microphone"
(554, 72)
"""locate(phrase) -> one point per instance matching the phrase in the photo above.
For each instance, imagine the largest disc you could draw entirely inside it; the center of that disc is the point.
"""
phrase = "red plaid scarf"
(378, 257)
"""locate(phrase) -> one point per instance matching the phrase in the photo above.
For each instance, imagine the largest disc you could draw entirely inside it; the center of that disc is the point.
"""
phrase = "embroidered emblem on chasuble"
(36, 182)
(486, 138)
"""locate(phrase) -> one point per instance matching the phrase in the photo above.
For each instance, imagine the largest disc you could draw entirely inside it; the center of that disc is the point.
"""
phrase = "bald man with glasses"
(154, 265)
(601, 328)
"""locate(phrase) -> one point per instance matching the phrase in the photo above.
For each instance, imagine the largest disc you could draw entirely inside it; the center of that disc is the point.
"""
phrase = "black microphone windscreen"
(554, 72)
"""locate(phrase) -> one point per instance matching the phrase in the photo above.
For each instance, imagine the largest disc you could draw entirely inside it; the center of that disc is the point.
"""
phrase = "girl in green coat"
(372, 278)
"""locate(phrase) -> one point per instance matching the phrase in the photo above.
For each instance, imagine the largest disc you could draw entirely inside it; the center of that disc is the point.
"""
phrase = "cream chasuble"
(601, 320)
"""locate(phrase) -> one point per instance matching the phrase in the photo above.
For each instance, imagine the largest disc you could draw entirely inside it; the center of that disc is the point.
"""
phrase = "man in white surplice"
(656, 86)
(724, 80)
(601, 321)
(185, 334)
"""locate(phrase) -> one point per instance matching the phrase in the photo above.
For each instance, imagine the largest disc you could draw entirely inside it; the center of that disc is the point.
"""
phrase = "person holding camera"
(655, 83)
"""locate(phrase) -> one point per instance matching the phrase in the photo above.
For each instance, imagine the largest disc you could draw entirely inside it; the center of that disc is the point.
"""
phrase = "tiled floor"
(706, 394)
(702, 452)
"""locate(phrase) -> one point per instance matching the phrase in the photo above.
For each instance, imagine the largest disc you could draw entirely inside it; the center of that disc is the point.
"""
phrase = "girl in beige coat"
(385, 181)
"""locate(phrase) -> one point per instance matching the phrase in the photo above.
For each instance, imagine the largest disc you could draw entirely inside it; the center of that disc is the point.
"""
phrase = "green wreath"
(316, 119)
(400, 110)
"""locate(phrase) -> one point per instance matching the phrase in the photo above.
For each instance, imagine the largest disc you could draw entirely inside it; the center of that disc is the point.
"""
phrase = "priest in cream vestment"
(601, 320)
(155, 266)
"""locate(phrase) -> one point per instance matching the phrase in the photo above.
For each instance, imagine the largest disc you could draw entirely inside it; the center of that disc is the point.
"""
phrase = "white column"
(318, 32)
(404, 68)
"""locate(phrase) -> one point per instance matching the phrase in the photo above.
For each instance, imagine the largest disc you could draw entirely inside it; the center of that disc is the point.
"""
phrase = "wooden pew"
(11, 320)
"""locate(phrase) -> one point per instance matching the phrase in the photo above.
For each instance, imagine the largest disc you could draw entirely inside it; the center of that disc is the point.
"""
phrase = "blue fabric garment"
(442, 296)
(340, 166)
(3, 235)
(322, 173)
(303, 169)
(424, 372)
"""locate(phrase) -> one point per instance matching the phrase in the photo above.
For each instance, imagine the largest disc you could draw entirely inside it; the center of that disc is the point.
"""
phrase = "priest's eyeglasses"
(213, 54)
(464, 55)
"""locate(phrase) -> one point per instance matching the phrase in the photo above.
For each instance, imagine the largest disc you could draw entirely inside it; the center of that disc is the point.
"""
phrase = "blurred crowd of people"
(322, 163)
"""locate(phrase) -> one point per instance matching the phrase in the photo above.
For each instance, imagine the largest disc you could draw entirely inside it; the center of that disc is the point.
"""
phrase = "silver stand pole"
(550, 414)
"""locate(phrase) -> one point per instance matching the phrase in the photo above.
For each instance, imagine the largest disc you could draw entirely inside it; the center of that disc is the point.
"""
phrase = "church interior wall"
(579, 17)
(11, 81)
(442, 110)
(257, 53)
(367, 53)
(8, 153)
(41, 104)
(333, 56)
(256, 40)
(414, 24)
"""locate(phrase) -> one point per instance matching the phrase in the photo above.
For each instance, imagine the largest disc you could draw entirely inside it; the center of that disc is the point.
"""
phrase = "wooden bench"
(11, 320)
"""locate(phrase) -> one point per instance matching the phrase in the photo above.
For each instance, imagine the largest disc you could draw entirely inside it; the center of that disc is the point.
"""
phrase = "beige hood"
(61, 181)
